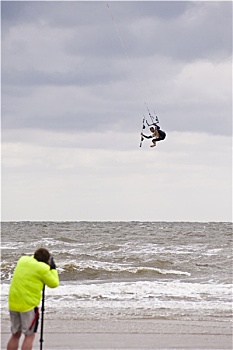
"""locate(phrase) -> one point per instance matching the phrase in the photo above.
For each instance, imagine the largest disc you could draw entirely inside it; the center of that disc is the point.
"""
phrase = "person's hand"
(52, 264)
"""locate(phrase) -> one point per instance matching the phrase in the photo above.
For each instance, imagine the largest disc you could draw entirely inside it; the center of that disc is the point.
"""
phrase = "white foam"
(137, 299)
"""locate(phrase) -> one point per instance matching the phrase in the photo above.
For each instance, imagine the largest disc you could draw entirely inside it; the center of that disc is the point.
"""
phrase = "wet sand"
(130, 334)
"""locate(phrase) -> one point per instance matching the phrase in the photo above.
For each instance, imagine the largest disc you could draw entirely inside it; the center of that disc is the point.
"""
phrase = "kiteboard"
(143, 127)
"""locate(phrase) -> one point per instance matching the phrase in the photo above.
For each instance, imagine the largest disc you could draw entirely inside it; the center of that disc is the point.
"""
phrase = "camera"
(52, 263)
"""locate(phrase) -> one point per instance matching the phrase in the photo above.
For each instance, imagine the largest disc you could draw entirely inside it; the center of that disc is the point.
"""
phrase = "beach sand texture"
(132, 334)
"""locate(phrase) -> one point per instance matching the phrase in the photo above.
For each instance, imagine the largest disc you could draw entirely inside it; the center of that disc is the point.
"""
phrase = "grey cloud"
(122, 11)
(201, 30)
(64, 13)
(83, 77)
(53, 13)
(181, 31)
(96, 41)
(91, 120)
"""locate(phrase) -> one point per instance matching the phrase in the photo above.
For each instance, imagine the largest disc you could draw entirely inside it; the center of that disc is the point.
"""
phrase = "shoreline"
(146, 334)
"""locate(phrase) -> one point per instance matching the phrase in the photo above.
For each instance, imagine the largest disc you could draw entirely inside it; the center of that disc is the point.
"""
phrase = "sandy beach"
(132, 334)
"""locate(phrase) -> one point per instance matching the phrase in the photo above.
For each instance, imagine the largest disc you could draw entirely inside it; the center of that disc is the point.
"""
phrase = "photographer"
(30, 276)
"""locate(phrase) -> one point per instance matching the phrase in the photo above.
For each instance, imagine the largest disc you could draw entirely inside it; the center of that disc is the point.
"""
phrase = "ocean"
(128, 270)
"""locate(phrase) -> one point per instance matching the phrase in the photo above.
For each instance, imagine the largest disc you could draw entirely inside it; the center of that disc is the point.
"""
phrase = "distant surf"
(131, 270)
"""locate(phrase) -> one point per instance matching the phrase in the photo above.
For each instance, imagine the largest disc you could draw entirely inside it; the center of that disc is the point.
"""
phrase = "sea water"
(128, 270)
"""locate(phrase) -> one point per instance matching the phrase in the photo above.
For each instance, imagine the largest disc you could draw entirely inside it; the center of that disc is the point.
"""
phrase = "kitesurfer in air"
(156, 134)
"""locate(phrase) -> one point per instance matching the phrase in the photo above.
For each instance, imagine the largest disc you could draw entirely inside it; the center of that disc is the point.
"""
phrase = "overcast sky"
(77, 78)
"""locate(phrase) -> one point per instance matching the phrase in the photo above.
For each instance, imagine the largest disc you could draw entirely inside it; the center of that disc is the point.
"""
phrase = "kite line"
(154, 120)
(121, 41)
(118, 33)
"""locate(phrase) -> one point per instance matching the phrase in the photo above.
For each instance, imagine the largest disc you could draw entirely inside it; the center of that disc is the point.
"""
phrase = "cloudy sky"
(77, 78)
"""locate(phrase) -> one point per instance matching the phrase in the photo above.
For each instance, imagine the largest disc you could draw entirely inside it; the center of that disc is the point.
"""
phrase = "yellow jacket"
(27, 283)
